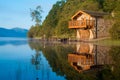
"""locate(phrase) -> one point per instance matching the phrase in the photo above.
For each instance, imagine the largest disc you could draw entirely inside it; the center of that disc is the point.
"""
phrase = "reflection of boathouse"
(81, 62)
(88, 56)
(83, 59)
(88, 24)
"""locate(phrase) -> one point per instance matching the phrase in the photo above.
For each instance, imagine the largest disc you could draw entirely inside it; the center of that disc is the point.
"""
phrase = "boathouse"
(88, 24)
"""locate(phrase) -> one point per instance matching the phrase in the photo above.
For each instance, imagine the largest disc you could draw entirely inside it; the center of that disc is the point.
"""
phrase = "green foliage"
(109, 5)
(35, 31)
(92, 5)
(36, 15)
(56, 22)
(100, 3)
(115, 31)
(31, 32)
(52, 19)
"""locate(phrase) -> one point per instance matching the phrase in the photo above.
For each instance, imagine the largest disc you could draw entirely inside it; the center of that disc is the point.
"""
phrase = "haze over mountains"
(14, 32)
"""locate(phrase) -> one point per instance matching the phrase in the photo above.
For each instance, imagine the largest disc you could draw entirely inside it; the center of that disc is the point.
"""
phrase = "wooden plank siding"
(81, 24)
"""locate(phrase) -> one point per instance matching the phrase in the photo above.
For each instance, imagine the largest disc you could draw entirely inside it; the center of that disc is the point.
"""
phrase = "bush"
(115, 30)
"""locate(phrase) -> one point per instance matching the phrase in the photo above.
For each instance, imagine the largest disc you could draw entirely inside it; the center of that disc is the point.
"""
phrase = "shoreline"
(70, 40)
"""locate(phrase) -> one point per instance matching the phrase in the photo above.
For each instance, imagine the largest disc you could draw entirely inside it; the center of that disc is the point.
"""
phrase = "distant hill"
(14, 32)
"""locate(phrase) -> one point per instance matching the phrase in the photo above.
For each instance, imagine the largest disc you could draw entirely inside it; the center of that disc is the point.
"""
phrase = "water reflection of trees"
(112, 71)
(36, 60)
(57, 56)
(115, 53)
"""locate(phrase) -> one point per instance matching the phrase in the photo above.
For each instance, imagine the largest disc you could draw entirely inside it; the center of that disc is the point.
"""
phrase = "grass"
(108, 42)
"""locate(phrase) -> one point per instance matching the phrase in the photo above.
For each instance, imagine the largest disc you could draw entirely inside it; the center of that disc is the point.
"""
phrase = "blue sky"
(16, 13)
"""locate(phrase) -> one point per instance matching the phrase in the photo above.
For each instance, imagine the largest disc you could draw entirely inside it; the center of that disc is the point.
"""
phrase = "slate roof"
(95, 13)
(91, 13)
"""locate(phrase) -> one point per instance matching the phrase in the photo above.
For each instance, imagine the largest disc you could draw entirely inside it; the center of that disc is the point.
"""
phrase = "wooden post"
(96, 55)
(96, 28)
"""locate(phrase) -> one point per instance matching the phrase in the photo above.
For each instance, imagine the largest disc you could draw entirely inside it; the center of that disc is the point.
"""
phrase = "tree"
(115, 30)
(56, 22)
(92, 5)
(109, 5)
(52, 19)
(31, 32)
(36, 15)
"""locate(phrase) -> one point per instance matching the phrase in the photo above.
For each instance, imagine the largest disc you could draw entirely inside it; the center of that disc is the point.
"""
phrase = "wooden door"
(84, 34)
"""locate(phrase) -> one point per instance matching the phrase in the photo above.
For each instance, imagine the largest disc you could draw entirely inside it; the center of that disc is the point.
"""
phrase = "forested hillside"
(56, 22)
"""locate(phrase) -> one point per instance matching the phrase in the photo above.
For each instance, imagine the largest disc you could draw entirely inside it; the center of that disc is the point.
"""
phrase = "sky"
(16, 13)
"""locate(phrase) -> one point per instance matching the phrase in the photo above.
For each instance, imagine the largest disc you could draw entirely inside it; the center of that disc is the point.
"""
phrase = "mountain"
(14, 32)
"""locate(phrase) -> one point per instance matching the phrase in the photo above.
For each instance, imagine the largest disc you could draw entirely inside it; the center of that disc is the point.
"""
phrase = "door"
(84, 34)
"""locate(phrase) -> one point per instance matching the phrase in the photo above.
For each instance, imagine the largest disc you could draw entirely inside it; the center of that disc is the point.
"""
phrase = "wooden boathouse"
(87, 24)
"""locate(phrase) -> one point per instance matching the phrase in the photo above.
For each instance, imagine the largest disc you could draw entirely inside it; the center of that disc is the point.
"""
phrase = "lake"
(23, 59)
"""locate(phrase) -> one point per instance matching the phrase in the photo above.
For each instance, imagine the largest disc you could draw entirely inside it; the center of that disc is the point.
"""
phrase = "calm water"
(21, 59)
